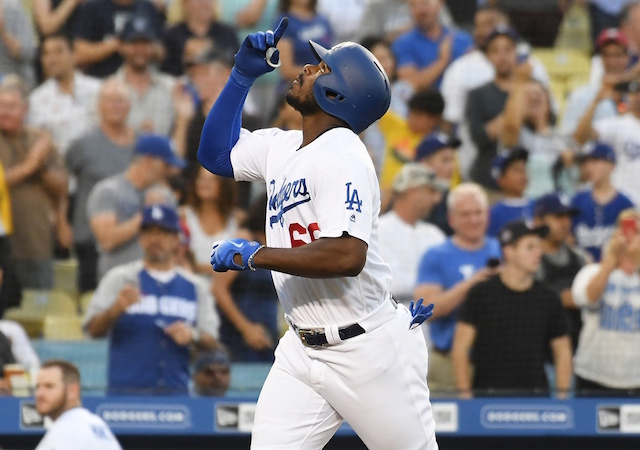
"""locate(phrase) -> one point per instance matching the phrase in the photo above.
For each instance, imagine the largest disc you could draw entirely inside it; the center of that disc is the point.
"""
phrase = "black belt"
(313, 338)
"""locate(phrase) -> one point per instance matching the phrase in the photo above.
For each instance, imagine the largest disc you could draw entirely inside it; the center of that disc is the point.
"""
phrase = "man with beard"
(152, 311)
(74, 428)
(350, 349)
(152, 109)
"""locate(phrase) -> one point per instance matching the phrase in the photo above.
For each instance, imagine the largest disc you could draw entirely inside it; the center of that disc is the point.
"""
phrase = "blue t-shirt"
(416, 48)
(447, 265)
(507, 210)
(300, 31)
(596, 223)
(142, 357)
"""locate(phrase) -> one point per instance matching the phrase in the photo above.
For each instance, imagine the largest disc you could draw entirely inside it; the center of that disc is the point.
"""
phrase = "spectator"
(211, 374)
(561, 261)
(304, 24)
(65, 104)
(115, 204)
(17, 42)
(10, 289)
(485, 105)
(529, 122)
(538, 21)
(38, 187)
(507, 324)
(152, 109)
(209, 215)
(620, 132)
(56, 17)
(403, 236)
(471, 71)
(21, 347)
(247, 300)
(96, 43)
(424, 52)
(198, 32)
(152, 311)
(207, 74)
(6, 357)
(601, 203)
(612, 46)
(438, 153)
(607, 293)
(102, 152)
(386, 19)
(510, 173)
(402, 136)
(58, 397)
(248, 16)
(344, 17)
(401, 93)
(447, 272)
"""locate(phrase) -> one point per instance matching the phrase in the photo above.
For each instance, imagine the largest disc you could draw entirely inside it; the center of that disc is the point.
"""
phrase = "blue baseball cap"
(138, 28)
(501, 30)
(158, 147)
(553, 204)
(214, 357)
(504, 158)
(433, 143)
(599, 150)
(159, 215)
(513, 231)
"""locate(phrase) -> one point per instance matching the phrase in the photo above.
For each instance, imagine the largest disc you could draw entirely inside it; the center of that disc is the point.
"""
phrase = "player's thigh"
(290, 414)
(383, 394)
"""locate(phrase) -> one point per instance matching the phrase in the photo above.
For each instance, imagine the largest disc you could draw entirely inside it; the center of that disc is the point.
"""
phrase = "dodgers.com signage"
(526, 416)
(136, 415)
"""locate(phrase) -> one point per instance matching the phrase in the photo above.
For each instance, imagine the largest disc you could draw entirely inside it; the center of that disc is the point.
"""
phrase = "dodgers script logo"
(289, 196)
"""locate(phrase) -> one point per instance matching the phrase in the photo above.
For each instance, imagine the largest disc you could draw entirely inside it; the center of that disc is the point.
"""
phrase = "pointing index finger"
(280, 29)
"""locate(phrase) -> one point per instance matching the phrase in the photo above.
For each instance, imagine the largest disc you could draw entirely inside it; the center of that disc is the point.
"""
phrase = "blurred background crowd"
(502, 110)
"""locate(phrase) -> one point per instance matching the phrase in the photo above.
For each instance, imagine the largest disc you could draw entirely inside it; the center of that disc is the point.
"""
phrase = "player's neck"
(314, 125)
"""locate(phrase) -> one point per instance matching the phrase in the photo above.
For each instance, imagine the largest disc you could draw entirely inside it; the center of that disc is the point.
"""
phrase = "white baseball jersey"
(79, 429)
(322, 190)
(623, 134)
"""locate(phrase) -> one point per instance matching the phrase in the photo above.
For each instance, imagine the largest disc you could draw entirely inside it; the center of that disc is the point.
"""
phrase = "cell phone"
(622, 87)
(629, 226)
(522, 51)
(492, 263)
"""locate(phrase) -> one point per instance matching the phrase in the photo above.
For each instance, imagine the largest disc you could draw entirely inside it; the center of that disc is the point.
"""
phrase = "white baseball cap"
(415, 175)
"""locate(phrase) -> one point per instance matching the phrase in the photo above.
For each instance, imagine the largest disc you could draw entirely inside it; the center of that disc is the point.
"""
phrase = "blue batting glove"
(251, 59)
(223, 252)
(420, 313)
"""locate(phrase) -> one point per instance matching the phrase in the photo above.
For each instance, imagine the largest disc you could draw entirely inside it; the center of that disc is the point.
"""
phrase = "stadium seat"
(562, 64)
(62, 328)
(85, 299)
(65, 272)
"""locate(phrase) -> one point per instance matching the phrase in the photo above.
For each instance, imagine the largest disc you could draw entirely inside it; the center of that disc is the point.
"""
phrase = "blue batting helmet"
(357, 89)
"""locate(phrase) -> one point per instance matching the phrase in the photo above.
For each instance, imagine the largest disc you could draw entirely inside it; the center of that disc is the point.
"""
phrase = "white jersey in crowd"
(79, 429)
(609, 344)
(402, 246)
(623, 134)
(325, 189)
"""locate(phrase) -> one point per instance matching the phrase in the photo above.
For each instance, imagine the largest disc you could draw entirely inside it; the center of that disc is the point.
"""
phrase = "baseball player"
(350, 352)
(74, 427)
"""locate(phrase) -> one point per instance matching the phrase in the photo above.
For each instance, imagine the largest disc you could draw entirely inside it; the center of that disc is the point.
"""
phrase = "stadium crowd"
(508, 164)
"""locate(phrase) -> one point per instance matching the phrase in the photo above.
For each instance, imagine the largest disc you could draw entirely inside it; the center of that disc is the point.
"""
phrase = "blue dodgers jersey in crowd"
(300, 31)
(142, 356)
(505, 211)
(414, 47)
(447, 265)
(595, 224)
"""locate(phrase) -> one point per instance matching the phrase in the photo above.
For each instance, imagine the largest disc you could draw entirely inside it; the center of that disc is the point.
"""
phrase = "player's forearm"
(323, 258)
(221, 128)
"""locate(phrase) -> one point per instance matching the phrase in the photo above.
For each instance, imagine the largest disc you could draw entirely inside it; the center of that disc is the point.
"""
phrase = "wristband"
(250, 259)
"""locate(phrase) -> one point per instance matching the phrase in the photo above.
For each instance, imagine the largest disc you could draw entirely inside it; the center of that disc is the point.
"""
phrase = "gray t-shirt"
(91, 158)
(106, 294)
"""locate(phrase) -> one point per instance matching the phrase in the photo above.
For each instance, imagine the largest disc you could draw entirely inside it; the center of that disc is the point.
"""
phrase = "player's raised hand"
(420, 313)
(258, 54)
(223, 254)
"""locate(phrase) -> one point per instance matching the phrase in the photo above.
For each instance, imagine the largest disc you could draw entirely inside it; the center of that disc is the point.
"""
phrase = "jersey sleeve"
(429, 270)
(580, 283)
(249, 154)
(346, 199)
(102, 199)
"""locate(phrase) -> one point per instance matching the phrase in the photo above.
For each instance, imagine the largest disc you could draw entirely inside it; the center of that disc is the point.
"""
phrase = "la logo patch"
(353, 199)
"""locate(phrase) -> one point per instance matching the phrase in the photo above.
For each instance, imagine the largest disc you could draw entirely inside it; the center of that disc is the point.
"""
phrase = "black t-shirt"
(513, 333)
(224, 38)
(101, 19)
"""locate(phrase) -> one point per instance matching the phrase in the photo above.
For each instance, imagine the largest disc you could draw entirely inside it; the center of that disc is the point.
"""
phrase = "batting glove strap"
(223, 253)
